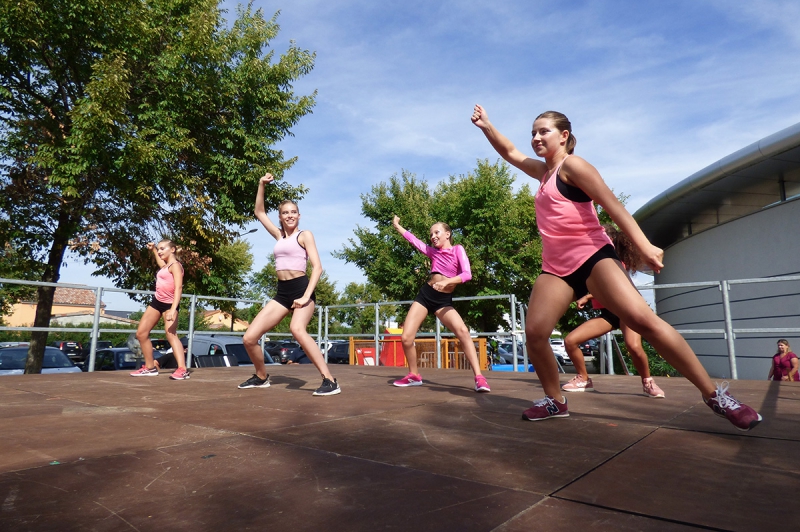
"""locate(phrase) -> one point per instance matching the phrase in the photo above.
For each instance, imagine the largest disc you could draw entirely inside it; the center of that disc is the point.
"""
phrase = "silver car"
(12, 361)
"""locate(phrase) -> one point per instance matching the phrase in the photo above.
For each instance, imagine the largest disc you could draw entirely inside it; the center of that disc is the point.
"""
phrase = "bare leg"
(585, 331)
(633, 342)
(452, 320)
(549, 300)
(416, 314)
(301, 317)
(270, 316)
(149, 320)
(174, 342)
(610, 284)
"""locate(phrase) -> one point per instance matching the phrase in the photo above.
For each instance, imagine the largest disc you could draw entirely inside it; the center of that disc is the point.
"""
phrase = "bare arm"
(152, 247)
(579, 173)
(584, 300)
(261, 214)
(793, 371)
(177, 275)
(505, 148)
(306, 239)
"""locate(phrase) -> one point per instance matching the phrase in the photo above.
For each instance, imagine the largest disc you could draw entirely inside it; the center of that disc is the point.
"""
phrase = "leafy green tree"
(496, 226)
(122, 121)
(361, 320)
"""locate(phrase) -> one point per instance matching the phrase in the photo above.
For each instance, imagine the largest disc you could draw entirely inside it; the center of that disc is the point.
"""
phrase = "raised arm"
(579, 173)
(152, 247)
(505, 148)
(421, 246)
(261, 214)
(306, 239)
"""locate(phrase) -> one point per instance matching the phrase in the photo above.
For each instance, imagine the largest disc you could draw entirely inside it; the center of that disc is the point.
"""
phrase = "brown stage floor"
(106, 451)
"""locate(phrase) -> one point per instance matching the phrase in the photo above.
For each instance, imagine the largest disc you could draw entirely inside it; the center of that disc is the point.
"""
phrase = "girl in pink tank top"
(577, 261)
(169, 286)
(293, 250)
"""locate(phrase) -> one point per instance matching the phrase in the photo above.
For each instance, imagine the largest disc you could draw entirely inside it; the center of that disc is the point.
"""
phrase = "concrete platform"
(106, 451)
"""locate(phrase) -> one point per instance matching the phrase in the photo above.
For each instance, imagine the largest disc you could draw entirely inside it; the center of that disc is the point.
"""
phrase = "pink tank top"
(570, 230)
(289, 254)
(165, 284)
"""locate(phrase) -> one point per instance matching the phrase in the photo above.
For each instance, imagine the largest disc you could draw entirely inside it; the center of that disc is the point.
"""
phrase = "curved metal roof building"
(760, 175)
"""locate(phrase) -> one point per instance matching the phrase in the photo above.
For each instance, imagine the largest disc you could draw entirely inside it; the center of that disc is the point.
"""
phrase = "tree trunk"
(45, 294)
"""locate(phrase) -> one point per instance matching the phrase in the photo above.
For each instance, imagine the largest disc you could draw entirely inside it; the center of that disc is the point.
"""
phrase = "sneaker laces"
(724, 399)
(577, 380)
(543, 402)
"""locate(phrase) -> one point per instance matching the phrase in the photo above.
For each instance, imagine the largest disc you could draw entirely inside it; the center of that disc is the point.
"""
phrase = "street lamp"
(247, 233)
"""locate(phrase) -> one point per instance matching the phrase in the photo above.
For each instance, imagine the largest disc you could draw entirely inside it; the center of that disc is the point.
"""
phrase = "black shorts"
(577, 279)
(432, 299)
(292, 289)
(610, 317)
(161, 306)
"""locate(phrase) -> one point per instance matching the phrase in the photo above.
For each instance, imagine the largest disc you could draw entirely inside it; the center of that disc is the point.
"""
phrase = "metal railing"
(516, 314)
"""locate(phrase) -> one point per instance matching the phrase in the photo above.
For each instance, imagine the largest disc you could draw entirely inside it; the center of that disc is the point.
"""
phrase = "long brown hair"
(625, 249)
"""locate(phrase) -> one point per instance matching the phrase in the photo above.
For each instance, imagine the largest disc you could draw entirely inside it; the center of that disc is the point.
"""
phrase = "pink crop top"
(449, 262)
(289, 254)
(165, 284)
(570, 230)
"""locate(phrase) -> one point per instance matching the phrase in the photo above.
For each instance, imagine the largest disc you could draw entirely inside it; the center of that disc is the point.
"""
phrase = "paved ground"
(105, 451)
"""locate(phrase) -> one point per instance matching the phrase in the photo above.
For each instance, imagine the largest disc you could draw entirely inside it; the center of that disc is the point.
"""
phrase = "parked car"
(204, 345)
(294, 355)
(339, 353)
(507, 357)
(557, 345)
(101, 344)
(12, 361)
(274, 347)
(3, 345)
(74, 350)
(508, 347)
(590, 348)
(111, 359)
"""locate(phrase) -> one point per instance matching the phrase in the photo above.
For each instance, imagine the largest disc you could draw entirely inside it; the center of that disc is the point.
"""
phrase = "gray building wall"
(762, 244)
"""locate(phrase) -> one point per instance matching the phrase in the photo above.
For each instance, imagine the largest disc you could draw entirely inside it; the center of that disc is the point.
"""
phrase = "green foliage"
(496, 226)
(361, 320)
(658, 366)
(125, 121)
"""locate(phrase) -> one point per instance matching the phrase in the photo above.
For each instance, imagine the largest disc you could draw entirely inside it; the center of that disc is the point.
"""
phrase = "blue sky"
(655, 91)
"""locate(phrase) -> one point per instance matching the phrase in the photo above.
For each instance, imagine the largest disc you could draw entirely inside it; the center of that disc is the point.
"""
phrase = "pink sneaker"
(481, 385)
(409, 380)
(144, 372)
(179, 374)
(651, 389)
(545, 409)
(577, 384)
(724, 405)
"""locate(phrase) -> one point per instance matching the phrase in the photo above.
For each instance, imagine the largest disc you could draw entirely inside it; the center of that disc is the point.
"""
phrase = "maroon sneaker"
(724, 405)
(545, 409)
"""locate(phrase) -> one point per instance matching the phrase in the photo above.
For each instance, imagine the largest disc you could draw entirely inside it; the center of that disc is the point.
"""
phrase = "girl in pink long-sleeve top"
(449, 267)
